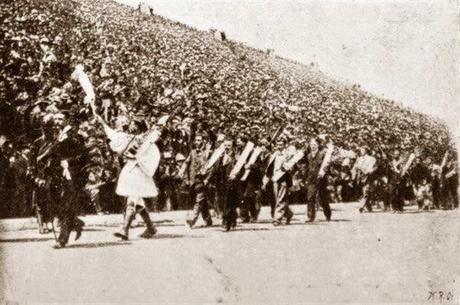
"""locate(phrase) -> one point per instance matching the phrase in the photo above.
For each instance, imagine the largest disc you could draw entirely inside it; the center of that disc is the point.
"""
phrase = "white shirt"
(278, 162)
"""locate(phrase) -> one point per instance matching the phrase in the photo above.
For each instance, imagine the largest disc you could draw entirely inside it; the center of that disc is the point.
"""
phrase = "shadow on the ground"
(170, 236)
(316, 222)
(405, 212)
(98, 244)
(303, 223)
(26, 240)
(318, 210)
(294, 222)
(216, 225)
(263, 221)
(374, 212)
(166, 236)
(417, 212)
(297, 223)
(85, 229)
(253, 229)
(334, 220)
(167, 223)
(161, 223)
(158, 224)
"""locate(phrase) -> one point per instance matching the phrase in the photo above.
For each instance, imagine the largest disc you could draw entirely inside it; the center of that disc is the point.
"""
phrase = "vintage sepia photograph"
(239, 152)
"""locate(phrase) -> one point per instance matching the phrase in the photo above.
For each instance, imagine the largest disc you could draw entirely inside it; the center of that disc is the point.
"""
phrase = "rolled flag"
(288, 165)
(252, 159)
(277, 134)
(444, 160)
(119, 141)
(242, 160)
(163, 120)
(218, 152)
(80, 75)
(148, 155)
(408, 164)
(105, 105)
(326, 160)
(366, 164)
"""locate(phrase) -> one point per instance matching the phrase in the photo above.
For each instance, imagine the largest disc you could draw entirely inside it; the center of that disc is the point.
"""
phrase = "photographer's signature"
(440, 296)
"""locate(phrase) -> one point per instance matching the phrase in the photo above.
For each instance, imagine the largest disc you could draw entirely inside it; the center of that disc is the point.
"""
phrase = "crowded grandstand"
(143, 67)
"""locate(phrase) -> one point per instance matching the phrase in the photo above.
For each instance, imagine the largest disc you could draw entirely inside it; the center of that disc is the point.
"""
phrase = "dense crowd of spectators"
(145, 66)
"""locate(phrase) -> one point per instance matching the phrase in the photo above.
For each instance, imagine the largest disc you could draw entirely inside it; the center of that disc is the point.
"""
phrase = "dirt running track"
(360, 258)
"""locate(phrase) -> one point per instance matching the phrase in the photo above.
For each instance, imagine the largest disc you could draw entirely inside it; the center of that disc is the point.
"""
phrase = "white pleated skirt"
(133, 182)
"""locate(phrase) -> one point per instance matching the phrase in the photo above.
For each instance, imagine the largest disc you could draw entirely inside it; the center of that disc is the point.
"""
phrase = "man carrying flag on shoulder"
(277, 173)
(317, 164)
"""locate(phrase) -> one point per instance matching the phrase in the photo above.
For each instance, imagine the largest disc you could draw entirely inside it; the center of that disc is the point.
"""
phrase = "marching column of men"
(248, 176)
(234, 177)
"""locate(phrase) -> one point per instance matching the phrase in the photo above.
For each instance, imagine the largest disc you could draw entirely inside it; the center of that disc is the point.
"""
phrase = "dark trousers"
(231, 201)
(451, 190)
(386, 196)
(250, 206)
(67, 212)
(436, 190)
(317, 193)
(282, 209)
(397, 197)
(68, 223)
(219, 199)
(167, 198)
(267, 197)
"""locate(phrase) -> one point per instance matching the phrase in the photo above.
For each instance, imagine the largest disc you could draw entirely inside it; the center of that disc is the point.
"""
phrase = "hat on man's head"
(180, 157)
(220, 137)
(282, 139)
(167, 155)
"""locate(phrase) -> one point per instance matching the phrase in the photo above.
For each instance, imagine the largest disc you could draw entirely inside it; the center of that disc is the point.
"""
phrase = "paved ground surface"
(361, 258)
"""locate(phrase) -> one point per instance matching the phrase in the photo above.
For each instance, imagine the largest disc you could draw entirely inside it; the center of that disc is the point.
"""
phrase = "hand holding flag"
(80, 76)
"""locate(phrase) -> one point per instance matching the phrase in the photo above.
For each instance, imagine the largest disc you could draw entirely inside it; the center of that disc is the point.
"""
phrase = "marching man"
(277, 172)
(317, 161)
(136, 178)
(193, 171)
(142, 158)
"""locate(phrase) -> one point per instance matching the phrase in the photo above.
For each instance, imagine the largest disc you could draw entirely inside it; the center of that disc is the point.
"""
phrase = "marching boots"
(79, 224)
(150, 230)
(129, 217)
